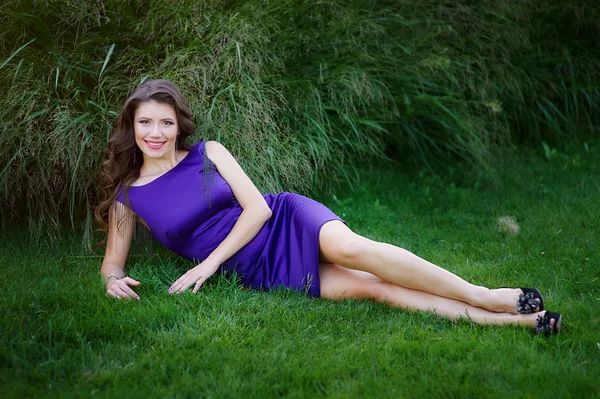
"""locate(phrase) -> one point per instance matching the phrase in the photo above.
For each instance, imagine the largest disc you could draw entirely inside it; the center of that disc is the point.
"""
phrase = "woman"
(198, 202)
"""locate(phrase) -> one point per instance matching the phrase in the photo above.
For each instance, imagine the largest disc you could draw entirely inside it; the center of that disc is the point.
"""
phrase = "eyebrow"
(147, 117)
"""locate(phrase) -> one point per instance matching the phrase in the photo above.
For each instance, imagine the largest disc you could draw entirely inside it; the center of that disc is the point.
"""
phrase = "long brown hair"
(123, 158)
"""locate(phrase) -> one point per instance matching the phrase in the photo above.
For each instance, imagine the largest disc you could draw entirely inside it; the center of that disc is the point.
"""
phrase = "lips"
(155, 145)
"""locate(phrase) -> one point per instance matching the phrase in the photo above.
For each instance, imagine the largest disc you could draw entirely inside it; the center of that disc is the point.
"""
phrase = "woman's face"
(155, 126)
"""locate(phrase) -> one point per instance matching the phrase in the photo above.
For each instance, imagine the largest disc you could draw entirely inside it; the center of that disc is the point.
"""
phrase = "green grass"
(61, 337)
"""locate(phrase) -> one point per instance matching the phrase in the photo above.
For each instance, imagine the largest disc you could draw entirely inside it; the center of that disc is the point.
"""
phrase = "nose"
(155, 132)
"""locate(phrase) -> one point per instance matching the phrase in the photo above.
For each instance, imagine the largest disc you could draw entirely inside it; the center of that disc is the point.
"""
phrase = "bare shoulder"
(217, 152)
(243, 189)
(214, 148)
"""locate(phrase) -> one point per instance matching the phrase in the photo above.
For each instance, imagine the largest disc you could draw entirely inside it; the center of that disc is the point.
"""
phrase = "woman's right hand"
(119, 288)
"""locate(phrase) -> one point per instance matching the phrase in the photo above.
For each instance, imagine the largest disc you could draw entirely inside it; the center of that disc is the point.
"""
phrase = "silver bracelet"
(112, 275)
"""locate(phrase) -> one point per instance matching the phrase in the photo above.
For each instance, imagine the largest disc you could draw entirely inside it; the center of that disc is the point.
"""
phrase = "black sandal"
(543, 323)
(530, 301)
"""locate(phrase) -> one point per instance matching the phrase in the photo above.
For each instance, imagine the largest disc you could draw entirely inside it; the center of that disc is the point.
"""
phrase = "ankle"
(482, 297)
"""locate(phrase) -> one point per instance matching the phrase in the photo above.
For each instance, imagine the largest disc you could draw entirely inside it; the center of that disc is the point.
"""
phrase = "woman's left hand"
(198, 275)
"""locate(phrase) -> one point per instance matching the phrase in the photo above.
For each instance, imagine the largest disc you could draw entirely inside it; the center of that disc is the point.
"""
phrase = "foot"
(548, 322)
(516, 301)
(530, 302)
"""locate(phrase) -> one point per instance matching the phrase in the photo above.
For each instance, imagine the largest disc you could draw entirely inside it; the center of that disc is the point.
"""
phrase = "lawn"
(60, 336)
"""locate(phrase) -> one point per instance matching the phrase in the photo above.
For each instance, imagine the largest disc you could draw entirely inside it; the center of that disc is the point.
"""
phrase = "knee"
(351, 249)
(378, 291)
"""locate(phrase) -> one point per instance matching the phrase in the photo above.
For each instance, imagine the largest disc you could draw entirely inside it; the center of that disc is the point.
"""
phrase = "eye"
(168, 123)
(144, 122)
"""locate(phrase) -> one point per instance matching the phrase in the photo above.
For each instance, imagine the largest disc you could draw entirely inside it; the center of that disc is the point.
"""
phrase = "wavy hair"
(123, 158)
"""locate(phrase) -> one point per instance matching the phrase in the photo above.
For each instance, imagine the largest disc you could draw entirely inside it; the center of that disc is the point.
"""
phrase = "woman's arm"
(255, 209)
(254, 215)
(117, 247)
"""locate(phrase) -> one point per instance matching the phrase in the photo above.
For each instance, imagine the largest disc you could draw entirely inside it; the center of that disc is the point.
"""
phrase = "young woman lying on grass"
(197, 201)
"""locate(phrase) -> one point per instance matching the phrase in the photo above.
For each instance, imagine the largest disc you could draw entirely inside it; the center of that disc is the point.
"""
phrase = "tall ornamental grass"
(294, 89)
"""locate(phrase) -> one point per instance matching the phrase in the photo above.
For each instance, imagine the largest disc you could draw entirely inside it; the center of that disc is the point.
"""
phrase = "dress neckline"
(168, 171)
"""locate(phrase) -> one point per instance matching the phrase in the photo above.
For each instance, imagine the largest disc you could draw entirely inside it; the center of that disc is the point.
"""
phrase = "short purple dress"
(191, 209)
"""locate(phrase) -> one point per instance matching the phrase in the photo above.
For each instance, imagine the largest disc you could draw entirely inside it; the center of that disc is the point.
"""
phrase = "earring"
(176, 147)
(134, 151)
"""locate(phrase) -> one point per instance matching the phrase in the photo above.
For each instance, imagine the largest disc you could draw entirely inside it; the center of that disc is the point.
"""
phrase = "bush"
(292, 88)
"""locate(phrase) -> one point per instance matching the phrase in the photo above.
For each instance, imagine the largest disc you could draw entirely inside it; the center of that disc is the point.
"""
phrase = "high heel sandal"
(530, 301)
(543, 323)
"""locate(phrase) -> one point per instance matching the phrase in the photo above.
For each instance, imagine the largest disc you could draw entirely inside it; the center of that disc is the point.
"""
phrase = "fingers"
(185, 281)
(130, 281)
(181, 284)
(120, 289)
(129, 292)
(120, 295)
(198, 285)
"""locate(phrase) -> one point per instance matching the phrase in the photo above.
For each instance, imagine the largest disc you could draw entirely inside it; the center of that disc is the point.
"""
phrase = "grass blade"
(16, 52)
(110, 51)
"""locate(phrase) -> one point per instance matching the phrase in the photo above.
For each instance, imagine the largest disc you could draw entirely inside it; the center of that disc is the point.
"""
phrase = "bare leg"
(339, 245)
(340, 283)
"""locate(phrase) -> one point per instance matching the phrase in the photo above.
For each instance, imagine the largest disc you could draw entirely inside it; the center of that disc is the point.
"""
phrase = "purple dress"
(191, 209)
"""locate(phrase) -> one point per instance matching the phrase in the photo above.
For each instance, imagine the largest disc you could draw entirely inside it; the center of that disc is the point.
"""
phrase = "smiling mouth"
(155, 145)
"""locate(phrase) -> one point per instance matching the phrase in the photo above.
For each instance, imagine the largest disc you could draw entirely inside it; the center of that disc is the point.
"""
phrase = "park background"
(420, 123)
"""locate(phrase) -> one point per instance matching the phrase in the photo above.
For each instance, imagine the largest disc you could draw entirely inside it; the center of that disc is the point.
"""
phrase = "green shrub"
(294, 89)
